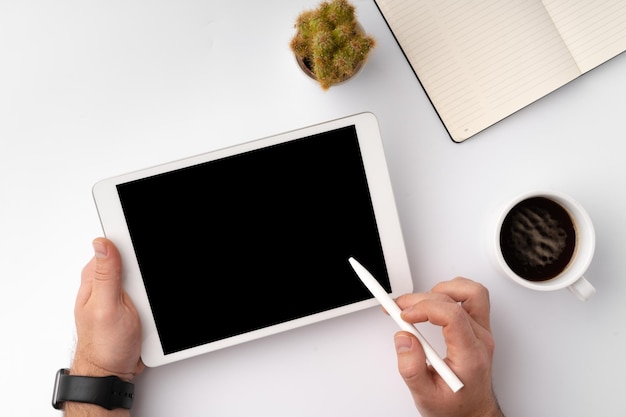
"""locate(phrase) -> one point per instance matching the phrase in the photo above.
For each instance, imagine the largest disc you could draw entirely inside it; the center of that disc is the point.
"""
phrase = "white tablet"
(254, 239)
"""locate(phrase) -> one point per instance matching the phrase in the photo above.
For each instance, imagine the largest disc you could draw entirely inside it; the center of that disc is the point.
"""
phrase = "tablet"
(251, 240)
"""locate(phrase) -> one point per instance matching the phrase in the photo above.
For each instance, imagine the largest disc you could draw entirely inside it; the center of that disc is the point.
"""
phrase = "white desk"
(92, 89)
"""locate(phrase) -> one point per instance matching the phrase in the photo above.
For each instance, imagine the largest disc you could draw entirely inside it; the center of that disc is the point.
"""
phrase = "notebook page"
(480, 61)
(594, 31)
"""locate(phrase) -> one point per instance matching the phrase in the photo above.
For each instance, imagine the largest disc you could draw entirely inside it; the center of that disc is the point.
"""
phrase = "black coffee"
(538, 239)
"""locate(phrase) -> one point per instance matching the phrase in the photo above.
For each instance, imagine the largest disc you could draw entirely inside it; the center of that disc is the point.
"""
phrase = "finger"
(86, 277)
(140, 367)
(107, 279)
(412, 362)
(458, 329)
(473, 296)
(408, 300)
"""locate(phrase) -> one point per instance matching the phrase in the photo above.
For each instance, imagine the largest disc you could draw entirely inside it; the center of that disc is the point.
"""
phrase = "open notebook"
(480, 61)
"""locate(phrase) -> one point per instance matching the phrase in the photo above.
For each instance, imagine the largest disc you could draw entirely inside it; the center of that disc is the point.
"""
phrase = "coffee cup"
(545, 240)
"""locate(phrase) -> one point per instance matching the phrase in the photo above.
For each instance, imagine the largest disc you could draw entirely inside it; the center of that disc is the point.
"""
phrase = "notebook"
(481, 61)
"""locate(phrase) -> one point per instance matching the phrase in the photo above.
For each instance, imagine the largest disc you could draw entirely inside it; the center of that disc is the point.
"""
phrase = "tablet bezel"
(394, 253)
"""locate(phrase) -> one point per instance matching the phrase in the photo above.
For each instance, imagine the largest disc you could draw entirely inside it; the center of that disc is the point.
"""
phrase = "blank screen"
(266, 234)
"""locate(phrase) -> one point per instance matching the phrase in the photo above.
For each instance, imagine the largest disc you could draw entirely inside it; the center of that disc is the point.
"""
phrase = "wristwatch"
(109, 392)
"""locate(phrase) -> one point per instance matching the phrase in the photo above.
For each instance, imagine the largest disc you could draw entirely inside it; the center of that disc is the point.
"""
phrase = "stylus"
(394, 311)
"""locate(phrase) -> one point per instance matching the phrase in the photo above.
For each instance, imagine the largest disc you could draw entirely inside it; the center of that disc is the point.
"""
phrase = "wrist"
(493, 410)
(84, 367)
(89, 395)
(76, 409)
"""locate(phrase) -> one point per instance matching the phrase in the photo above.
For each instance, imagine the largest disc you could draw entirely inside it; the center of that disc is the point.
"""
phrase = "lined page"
(480, 61)
(594, 31)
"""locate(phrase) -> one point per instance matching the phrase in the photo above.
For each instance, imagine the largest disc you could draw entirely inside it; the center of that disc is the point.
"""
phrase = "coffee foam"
(538, 238)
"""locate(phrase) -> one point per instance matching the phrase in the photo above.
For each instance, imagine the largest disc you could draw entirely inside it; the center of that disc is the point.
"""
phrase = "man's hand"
(107, 324)
(461, 307)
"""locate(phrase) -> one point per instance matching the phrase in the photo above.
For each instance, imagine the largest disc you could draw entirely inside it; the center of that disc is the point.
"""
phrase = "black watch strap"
(109, 392)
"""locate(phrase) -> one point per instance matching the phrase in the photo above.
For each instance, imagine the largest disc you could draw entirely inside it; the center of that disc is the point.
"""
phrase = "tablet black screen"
(256, 239)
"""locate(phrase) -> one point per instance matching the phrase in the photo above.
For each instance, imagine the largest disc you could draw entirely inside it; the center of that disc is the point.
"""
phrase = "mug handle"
(582, 289)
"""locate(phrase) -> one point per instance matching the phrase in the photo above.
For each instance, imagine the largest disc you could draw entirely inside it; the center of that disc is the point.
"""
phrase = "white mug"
(570, 275)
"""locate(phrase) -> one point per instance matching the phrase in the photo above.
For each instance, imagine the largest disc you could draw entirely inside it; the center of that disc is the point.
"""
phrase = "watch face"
(57, 403)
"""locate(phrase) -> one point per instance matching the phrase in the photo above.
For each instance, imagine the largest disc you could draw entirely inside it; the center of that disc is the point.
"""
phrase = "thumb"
(107, 279)
(411, 361)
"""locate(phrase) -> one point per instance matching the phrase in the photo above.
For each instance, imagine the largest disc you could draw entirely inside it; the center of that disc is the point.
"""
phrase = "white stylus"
(394, 311)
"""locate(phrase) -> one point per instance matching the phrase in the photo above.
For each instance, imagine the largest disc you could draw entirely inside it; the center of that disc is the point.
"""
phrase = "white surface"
(79, 79)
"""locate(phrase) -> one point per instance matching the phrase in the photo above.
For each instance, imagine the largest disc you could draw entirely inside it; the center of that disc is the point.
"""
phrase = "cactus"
(330, 42)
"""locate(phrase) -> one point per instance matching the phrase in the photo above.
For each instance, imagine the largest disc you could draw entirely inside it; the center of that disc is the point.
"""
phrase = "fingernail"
(405, 311)
(403, 343)
(100, 249)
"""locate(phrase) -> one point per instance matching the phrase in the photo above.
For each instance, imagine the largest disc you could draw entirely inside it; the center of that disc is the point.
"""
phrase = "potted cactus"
(330, 45)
